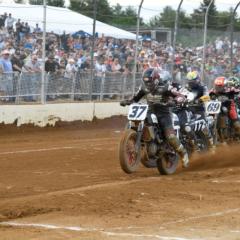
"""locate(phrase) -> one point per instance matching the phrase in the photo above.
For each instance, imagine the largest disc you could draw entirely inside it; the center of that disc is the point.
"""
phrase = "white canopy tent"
(62, 19)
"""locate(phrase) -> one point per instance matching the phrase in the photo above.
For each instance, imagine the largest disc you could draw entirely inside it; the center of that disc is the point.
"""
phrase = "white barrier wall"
(49, 114)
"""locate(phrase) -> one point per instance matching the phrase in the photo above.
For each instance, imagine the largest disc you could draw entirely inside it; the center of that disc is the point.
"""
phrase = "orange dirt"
(69, 176)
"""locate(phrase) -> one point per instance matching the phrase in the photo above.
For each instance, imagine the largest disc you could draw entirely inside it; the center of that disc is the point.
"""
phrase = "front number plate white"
(137, 112)
(213, 107)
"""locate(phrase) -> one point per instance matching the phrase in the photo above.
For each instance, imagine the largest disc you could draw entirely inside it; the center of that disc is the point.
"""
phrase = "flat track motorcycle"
(144, 141)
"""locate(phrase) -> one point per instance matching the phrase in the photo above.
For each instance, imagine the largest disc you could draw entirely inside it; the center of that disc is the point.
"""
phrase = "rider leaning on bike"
(159, 98)
(201, 95)
(226, 90)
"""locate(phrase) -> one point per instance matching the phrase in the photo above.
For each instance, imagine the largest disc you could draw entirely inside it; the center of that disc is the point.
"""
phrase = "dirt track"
(66, 183)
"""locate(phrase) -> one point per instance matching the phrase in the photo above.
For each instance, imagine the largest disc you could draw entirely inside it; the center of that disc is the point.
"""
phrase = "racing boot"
(211, 146)
(210, 142)
(180, 150)
(236, 126)
(183, 155)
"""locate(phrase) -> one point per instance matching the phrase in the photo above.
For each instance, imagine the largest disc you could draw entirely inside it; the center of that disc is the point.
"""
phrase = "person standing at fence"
(33, 66)
(17, 61)
(6, 70)
(71, 69)
(5, 63)
(100, 68)
(31, 79)
(51, 65)
(116, 67)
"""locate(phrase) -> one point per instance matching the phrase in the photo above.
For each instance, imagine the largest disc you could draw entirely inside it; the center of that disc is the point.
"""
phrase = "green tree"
(85, 7)
(56, 3)
(125, 18)
(167, 19)
(36, 2)
(198, 15)
(18, 1)
(223, 20)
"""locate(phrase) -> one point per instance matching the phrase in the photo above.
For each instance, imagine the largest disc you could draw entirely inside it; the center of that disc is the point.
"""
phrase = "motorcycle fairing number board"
(213, 107)
(137, 112)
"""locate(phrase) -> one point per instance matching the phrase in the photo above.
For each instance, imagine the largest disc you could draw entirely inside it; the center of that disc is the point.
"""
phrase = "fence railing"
(18, 88)
(27, 87)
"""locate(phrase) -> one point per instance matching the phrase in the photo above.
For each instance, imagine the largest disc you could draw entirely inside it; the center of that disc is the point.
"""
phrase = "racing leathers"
(201, 95)
(160, 103)
(181, 108)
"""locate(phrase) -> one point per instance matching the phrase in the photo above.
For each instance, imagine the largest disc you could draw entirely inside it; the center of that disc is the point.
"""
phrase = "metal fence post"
(92, 48)
(136, 50)
(102, 86)
(43, 89)
(43, 101)
(231, 35)
(124, 86)
(204, 41)
(175, 35)
(73, 86)
(19, 77)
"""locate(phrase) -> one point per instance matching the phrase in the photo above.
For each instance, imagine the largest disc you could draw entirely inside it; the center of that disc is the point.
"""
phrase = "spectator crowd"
(66, 54)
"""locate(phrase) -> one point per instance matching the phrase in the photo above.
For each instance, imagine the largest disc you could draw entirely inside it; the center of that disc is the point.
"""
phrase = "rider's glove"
(204, 98)
(126, 102)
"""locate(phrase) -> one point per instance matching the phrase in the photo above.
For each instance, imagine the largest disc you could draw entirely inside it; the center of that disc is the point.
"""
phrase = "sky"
(151, 8)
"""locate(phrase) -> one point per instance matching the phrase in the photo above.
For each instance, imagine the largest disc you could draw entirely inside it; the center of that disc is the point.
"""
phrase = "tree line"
(127, 17)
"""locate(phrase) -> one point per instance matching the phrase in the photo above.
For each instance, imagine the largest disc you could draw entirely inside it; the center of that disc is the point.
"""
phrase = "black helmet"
(151, 79)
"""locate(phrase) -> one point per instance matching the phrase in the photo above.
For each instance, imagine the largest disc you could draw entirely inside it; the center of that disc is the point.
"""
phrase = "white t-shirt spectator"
(9, 22)
(219, 44)
(70, 69)
(100, 68)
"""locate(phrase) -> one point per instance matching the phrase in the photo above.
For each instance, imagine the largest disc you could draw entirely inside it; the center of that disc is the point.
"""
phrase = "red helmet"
(220, 83)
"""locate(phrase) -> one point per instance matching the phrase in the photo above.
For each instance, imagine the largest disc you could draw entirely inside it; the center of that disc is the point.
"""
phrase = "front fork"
(214, 132)
(138, 140)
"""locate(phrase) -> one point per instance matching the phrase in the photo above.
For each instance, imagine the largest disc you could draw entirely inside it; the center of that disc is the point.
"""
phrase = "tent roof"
(62, 19)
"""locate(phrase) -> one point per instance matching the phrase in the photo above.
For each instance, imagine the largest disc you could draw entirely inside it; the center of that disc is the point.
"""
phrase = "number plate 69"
(213, 107)
(137, 112)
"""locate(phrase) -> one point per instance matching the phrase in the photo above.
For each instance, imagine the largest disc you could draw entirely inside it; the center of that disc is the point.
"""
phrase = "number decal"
(142, 109)
(137, 112)
(199, 125)
(134, 112)
(213, 107)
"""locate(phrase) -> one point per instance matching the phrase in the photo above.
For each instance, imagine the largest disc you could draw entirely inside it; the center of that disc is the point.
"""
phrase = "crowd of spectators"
(21, 51)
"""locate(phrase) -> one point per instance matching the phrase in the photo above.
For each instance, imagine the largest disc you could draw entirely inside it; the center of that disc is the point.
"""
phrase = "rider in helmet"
(225, 90)
(201, 95)
(159, 98)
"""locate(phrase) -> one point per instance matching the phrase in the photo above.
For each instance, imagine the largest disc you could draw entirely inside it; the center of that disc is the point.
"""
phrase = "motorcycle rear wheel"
(129, 161)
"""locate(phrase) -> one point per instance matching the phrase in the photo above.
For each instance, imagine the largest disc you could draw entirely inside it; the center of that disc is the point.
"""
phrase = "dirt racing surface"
(66, 183)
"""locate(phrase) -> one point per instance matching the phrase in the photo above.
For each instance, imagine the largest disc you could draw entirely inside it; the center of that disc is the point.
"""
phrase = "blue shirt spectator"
(5, 63)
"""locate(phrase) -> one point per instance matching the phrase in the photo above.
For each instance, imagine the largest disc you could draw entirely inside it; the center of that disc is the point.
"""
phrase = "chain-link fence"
(23, 88)
(27, 87)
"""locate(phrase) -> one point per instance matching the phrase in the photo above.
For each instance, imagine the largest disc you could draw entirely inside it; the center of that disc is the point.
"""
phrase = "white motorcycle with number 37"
(143, 142)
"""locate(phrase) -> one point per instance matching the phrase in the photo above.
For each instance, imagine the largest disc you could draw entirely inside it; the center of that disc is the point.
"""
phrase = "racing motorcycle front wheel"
(201, 142)
(128, 155)
(167, 163)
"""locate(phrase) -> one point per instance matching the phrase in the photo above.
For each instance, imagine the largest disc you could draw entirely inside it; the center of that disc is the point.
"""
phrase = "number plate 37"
(137, 112)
